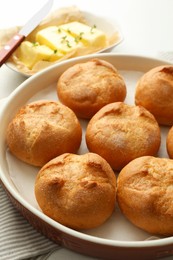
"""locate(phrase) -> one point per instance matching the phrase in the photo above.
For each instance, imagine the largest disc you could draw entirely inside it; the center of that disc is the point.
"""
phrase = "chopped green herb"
(59, 30)
(35, 43)
(76, 39)
(55, 51)
(79, 37)
(63, 38)
(92, 28)
(68, 44)
(68, 30)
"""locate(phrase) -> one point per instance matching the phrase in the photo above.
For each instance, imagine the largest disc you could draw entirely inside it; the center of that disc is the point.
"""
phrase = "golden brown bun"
(43, 130)
(78, 191)
(169, 143)
(87, 87)
(144, 194)
(154, 91)
(121, 133)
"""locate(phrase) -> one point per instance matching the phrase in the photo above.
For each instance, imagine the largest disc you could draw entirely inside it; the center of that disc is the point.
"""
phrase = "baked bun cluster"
(120, 133)
(144, 194)
(43, 130)
(78, 191)
(87, 87)
(154, 91)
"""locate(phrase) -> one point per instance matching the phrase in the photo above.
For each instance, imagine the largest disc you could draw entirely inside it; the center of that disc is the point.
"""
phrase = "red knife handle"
(10, 47)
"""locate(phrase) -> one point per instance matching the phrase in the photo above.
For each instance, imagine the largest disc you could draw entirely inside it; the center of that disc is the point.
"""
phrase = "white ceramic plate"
(106, 24)
(117, 237)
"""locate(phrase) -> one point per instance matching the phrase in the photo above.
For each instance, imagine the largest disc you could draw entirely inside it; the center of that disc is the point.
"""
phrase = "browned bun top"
(42, 130)
(87, 87)
(78, 191)
(120, 133)
(154, 91)
(144, 193)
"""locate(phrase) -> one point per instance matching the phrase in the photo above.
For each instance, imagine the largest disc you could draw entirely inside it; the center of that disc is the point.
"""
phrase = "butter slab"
(58, 39)
(31, 53)
(89, 36)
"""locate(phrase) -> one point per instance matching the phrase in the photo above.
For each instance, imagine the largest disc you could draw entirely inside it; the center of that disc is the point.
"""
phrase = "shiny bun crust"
(169, 142)
(78, 191)
(43, 130)
(144, 194)
(87, 87)
(154, 91)
(120, 133)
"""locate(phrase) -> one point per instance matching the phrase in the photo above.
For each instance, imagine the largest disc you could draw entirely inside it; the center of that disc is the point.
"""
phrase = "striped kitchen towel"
(18, 239)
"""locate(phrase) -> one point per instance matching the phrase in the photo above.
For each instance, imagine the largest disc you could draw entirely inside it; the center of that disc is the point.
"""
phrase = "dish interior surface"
(19, 177)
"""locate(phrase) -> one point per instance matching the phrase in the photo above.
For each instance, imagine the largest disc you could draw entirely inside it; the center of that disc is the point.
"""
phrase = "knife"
(12, 45)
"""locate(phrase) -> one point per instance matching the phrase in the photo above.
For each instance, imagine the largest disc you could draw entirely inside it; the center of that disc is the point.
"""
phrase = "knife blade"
(16, 40)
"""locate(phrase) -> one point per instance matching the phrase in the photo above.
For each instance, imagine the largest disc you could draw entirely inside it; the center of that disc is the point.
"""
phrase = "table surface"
(146, 26)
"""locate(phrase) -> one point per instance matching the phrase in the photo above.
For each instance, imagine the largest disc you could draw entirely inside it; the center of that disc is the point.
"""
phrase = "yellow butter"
(31, 53)
(90, 36)
(58, 39)
(54, 42)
